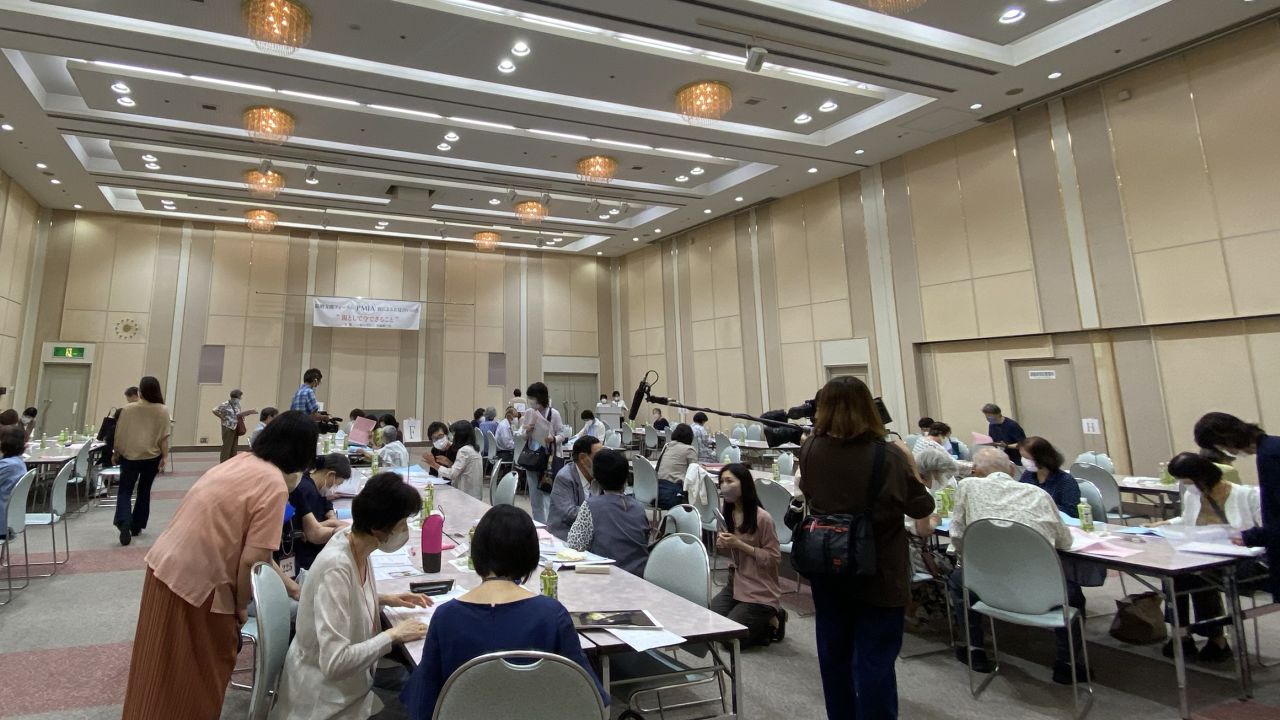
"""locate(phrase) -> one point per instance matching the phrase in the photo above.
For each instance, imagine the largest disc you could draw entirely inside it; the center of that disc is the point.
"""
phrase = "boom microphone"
(637, 399)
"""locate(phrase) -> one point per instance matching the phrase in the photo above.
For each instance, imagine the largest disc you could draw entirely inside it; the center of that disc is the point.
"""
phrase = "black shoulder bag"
(840, 544)
(535, 460)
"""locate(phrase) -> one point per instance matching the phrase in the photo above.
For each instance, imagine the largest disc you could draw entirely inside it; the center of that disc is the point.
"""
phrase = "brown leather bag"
(1139, 619)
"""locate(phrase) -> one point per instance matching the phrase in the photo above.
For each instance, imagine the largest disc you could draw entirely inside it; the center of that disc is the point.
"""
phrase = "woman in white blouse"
(541, 426)
(328, 672)
(467, 471)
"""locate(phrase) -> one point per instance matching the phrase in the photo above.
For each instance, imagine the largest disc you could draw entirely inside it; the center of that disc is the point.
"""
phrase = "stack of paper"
(1221, 549)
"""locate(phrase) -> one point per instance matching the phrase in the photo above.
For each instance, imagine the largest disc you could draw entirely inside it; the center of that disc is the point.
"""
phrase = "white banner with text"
(357, 313)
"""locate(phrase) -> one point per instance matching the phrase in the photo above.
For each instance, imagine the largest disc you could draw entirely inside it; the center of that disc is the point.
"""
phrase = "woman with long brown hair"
(859, 620)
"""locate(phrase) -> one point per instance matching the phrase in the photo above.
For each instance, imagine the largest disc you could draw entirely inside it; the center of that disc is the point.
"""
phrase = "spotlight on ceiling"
(545, 199)
(593, 207)
(511, 196)
(313, 175)
(755, 58)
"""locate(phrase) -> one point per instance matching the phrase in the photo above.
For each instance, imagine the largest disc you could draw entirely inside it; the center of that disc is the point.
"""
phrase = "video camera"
(327, 425)
(807, 409)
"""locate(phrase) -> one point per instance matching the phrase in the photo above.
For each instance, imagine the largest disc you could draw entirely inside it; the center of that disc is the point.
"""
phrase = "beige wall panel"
(937, 214)
(964, 377)
(559, 342)
(704, 335)
(22, 252)
(382, 377)
(133, 275)
(260, 380)
(229, 284)
(485, 395)
(638, 343)
(264, 332)
(702, 280)
(1253, 266)
(459, 338)
(269, 274)
(94, 245)
(825, 244)
(13, 213)
(831, 320)
(386, 270)
(654, 297)
(351, 272)
(489, 339)
(655, 341)
(582, 298)
(117, 320)
(800, 366)
(1264, 348)
(1007, 305)
(633, 287)
(991, 190)
(8, 360)
(224, 330)
(1237, 105)
(796, 324)
(728, 332)
(459, 390)
(1001, 351)
(732, 381)
(382, 339)
(119, 366)
(724, 276)
(13, 318)
(490, 296)
(949, 311)
(556, 296)
(706, 378)
(790, 256)
(83, 326)
(1164, 277)
(345, 378)
(1158, 158)
(584, 344)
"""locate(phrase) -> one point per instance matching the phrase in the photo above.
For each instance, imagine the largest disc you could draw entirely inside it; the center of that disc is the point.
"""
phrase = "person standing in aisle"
(304, 400)
(859, 620)
(231, 418)
(142, 441)
(1005, 432)
(541, 424)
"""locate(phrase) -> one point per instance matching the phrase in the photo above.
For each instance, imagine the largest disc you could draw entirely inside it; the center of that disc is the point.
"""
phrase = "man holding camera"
(304, 400)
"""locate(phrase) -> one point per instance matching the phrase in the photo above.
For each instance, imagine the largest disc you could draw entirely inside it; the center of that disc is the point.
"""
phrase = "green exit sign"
(68, 351)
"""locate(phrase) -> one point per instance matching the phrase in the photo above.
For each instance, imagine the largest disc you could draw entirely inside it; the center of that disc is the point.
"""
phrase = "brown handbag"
(1139, 619)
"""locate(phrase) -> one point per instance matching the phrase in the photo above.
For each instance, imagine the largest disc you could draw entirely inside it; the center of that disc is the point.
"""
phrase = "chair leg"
(26, 565)
(53, 537)
(968, 644)
(254, 678)
(1071, 653)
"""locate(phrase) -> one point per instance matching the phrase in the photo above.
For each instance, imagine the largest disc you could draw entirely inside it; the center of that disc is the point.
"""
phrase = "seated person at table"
(354, 415)
(497, 615)
(992, 493)
(591, 427)
(264, 419)
(1042, 465)
(938, 468)
(505, 435)
(1207, 499)
(673, 462)
(28, 421)
(438, 436)
(1004, 432)
(10, 417)
(612, 524)
(13, 443)
(488, 426)
(393, 453)
(467, 470)
(1225, 463)
(386, 421)
(752, 596)
(328, 672)
(702, 440)
(572, 486)
(923, 425)
(314, 521)
(660, 423)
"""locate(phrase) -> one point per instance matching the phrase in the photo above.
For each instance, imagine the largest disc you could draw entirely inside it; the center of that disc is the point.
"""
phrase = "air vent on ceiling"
(209, 107)
(404, 193)
(753, 101)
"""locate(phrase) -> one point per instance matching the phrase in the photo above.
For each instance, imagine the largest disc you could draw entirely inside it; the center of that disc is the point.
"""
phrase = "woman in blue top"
(1043, 465)
(13, 442)
(497, 615)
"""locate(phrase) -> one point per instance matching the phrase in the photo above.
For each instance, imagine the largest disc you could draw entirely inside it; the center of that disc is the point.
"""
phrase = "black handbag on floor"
(840, 544)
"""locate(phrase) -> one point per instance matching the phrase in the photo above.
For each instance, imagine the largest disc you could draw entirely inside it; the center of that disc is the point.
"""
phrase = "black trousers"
(754, 616)
(1207, 603)
(140, 473)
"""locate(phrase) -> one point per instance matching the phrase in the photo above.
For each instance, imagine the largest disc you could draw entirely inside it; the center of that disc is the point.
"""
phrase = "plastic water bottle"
(777, 470)
(373, 467)
(62, 437)
(471, 545)
(42, 441)
(428, 500)
(550, 580)
(1086, 516)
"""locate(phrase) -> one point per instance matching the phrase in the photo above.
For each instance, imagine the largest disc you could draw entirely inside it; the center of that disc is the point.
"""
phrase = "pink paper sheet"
(360, 430)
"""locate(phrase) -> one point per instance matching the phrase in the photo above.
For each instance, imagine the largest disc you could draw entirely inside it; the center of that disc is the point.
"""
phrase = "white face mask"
(441, 444)
(1228, 453)
(26, 419)
(394, 541)
(1029, 464)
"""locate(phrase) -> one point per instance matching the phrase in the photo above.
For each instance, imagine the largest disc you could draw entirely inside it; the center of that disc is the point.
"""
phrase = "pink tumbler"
(432, 538)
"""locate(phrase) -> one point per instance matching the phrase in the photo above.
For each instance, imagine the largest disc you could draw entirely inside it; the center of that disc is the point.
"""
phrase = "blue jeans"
(142, 473)
(858, 645)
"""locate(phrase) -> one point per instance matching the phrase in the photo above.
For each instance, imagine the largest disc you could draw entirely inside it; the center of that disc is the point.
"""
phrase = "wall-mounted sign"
(1091, 426)
(68, 351)
(1042, 374)
(360, 313)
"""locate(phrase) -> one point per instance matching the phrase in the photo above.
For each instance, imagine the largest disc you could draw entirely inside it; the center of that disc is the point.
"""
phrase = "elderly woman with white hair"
(393, 453)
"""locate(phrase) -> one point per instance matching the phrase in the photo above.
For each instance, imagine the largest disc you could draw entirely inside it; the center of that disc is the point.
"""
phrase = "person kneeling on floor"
(752, 596)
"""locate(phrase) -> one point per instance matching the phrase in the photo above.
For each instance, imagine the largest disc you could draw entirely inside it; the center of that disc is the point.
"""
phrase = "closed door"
(1045, 403)
(571, 393)
(64, 391)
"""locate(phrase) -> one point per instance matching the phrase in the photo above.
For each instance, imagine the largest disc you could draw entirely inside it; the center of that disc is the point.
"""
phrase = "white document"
(1206, 548)
(641, 640)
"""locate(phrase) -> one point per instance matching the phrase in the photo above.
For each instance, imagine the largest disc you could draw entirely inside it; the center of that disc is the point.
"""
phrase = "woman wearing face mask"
(752, 596)
(314, 521)
(1233, 436)
(28, 421)
(196, 587)
(440, 453)
(540, 424)
(328, 672)
(1042, 466)
(467, 471)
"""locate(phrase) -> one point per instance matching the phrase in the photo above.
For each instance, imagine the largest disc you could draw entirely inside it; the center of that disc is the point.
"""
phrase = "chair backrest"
(650, 437)
(58, 493)
(730, 454)
(504, 493)
(1103, 480)
(678, 564)
(722, 442)
(17, 512)
(787, 464)
(1090, 494)
(272, 601)
(527, 684)
(494, 475)
(613, 440)
(521, 441)
(711, 489)
(775, 499)
(1092, 457)
(1012, 567)
(645, 478)
(490, 445)
(681, 519)
(755, 431)
(739, 432)
(82, 460)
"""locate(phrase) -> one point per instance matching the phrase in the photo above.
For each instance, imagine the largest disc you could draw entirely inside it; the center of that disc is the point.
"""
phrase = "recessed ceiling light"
(152, 166)
(635, 239)
(451, 136)
(614, 211)
(976, 106)
(121, 88)
(682, 178)
(604, 217)
(78, 206)
(802, 118)
(126, 101)
(41, 165)
(556, 239)
(696, 171)
(813, 170)
(1012, 15)
(55, 181)
(313, 175)
(149, 158)
(827, 106)
(707, 211)
(6, 127)
(506, 66)
(599, 252)
(495, 201)
(520, 49)
(444, 147)
(1055, 75)
(738, 199)
(858, 151)
(657, 231)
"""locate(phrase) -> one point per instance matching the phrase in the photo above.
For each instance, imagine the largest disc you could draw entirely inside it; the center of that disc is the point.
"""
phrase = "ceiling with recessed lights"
(433, 119)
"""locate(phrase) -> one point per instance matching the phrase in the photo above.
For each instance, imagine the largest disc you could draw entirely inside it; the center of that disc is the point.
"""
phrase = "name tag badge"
(287, 565)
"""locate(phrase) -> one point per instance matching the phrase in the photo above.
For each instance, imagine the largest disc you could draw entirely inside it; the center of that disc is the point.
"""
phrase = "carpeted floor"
(65, 642)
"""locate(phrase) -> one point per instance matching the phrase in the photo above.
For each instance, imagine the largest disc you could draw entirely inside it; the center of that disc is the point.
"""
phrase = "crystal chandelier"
(893, 7)
(531, 212)
(261, 220)
(263, 183)
(704, 100)
(277, 26)
(486, 240)
(268, 125)
(597, 169)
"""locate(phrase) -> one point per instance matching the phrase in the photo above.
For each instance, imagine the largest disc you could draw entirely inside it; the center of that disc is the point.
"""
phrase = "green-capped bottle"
(428, 500)
(777, 470)
(471, 544)
(550, 580)
(1086, 516)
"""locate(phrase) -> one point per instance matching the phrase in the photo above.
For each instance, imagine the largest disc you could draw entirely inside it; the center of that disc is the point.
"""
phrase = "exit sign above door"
(67, 352)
